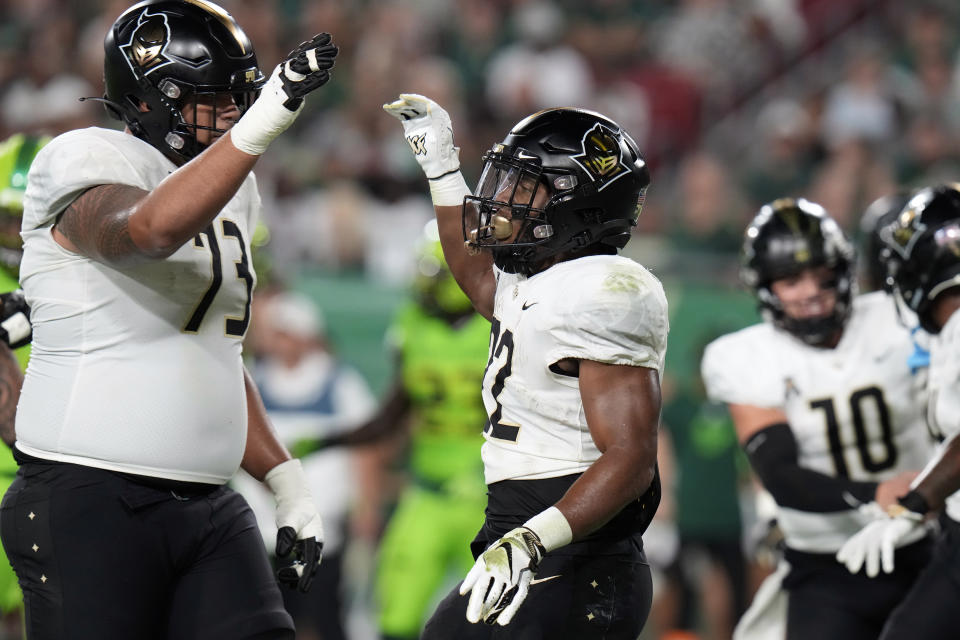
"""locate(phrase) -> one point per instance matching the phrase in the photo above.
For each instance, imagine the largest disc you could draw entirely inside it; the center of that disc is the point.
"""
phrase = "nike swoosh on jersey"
(524, 307)
(537, 580)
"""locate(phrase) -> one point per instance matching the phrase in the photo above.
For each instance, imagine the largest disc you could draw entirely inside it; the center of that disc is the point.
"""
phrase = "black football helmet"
(878, 215)
(922, 250)
(572, 181)
(785, 237)
(165, 53)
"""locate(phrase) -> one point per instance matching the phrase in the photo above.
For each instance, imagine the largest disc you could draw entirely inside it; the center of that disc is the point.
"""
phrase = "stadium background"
(734, 102)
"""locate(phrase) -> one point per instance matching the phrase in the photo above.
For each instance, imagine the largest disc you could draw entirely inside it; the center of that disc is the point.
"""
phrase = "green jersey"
(441, 370)
(10, 598)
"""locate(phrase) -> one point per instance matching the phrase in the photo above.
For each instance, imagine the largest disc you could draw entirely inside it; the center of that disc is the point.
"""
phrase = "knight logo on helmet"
(601, 156)
(147, 42)
(923, 257)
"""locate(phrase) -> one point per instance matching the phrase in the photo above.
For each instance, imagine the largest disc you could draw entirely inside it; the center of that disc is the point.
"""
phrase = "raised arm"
(429, 132)
(122, 225)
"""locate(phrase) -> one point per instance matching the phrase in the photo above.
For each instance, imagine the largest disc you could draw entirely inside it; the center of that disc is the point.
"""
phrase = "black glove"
(307, 68)
(306, 552)
(15, 329)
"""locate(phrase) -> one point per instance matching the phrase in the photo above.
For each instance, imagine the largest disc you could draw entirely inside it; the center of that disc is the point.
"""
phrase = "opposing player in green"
(441, 343)
(16, 154)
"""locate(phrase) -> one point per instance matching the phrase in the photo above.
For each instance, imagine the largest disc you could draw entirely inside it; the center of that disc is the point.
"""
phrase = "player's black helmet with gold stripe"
(161, 55)
(563, 180)
(922, 250)
(785, 237)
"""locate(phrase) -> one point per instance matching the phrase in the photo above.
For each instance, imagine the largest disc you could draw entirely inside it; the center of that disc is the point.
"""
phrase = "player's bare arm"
(472, 270)
(622, 407)
(943, 478)
(122, 225)
(299, 527)
(96, 224)
(264, 450)
(11, 379)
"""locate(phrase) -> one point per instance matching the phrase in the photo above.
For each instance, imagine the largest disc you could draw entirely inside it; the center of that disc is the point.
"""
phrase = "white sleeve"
(624, 325)
(66, 167)
(736, 370)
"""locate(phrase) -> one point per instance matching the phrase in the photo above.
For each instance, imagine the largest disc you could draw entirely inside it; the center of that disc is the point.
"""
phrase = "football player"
(878, 215)
(136, 409)
(16, 154)
(441, 347)
(572, 382)
(924, 267)
(821, 397)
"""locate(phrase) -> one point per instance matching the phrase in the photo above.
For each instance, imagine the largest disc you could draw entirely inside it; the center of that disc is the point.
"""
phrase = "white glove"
(877, 542)
(500, 580)
(429, 132)
(305, 69)
(299, 528)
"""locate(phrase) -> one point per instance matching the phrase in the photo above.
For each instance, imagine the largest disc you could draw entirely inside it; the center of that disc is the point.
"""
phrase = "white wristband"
(287, 480)
(266, 118)
(551, 527)
(449, 190)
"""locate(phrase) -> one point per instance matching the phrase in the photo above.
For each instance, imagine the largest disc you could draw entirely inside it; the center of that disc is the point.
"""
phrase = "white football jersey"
(944, 392)
(136, 369)
(603, 308)
(854, 410)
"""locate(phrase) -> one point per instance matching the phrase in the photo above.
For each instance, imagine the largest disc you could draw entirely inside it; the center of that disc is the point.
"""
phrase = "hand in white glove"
(876, 543)
(299, 528)
(429, 132)
(305, 69)
(499, 581)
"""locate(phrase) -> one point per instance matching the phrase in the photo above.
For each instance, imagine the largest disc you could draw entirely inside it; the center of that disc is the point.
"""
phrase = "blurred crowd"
(734, 103)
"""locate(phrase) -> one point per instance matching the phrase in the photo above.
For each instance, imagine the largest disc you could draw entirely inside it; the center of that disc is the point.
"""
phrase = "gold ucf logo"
(907, 229)
(601, 156)
(145, 50)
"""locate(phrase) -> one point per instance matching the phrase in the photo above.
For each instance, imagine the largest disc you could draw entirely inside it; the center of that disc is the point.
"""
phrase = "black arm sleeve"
(773, 455)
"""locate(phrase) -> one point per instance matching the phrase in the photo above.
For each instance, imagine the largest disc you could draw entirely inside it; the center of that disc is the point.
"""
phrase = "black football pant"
(100, 556)
(594, 597)
(932, 608)
(827, 602)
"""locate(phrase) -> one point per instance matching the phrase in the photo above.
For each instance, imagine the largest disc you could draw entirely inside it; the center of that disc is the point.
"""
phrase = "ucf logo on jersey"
(601, 156)
(149, 39)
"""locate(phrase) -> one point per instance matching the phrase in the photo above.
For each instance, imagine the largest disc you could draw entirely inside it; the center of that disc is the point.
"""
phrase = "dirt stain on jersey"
(622, 280)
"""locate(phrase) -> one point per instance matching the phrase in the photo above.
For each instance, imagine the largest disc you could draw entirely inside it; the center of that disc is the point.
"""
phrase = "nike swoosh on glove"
(499, 581)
